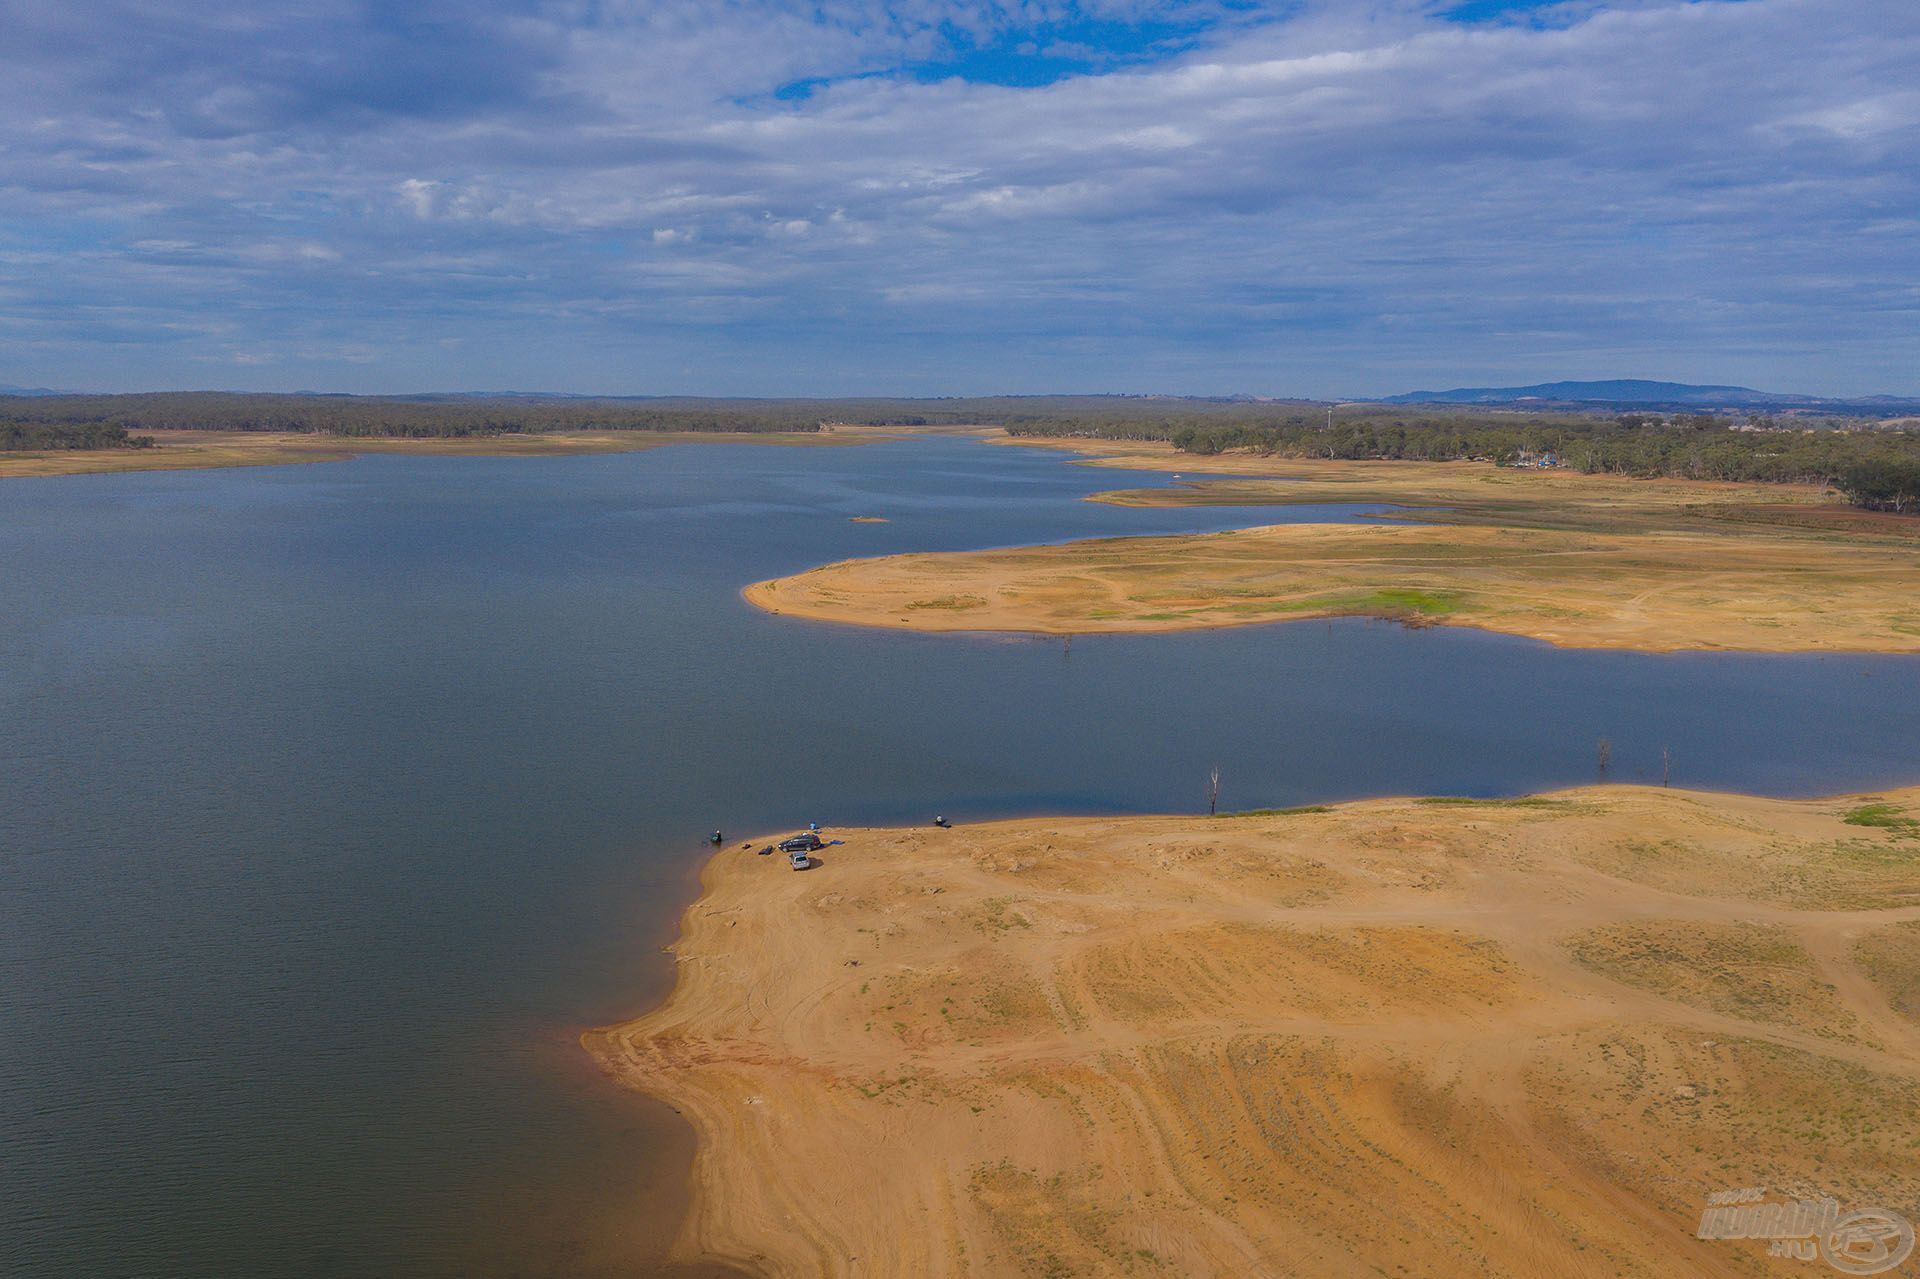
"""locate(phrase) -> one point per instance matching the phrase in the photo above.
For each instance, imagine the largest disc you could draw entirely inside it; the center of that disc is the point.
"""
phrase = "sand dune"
(1392, 1037)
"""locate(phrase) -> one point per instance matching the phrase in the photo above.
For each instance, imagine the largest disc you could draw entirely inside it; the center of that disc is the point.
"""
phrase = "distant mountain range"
(1644, 394)
(28, 390)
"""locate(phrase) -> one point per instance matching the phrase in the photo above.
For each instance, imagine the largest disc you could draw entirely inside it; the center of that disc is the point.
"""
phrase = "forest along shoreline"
(1379, 1034)
(1575, 560)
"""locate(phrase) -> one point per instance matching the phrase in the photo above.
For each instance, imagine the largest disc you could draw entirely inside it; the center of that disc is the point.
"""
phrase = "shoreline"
(667, 1180)
(1025, 997)
(935, 619)
(1576, 561)
(222, 450)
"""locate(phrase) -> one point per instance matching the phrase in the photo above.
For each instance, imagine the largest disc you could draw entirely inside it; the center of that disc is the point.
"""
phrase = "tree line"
(18, 437)
(90, 421)
(1882, 484)
(1874, 467)
(84, 417)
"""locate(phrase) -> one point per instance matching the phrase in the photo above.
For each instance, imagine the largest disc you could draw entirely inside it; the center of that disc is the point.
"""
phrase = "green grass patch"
(1389, 603)
(1425, 603)
(1883, 816)
(1284, 606)
(950, 601)
(1279, 812)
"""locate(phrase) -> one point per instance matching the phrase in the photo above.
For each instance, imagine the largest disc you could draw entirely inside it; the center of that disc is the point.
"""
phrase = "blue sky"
(1312, 197)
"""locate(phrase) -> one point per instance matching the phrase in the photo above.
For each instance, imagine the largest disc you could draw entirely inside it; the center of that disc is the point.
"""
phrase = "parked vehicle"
(800, 859)
(805, 843)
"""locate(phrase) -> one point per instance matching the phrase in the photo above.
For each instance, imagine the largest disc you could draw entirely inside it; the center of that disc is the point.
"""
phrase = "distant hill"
(1639, 392)
(5, 389)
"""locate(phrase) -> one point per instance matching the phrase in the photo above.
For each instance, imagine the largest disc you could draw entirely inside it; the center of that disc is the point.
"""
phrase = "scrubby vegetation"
(360, 416)
(1882, 483)
(47, 436)
(458, 416)
(1875, 467)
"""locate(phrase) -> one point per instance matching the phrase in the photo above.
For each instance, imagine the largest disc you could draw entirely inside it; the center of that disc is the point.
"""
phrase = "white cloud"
(1714, 189)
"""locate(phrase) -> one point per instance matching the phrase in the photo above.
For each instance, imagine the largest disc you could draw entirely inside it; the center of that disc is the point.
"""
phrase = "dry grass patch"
(1890, 957)
(979, 999)
(1251, 971)
(1829, 866)
(1751, 971)
(1675, 1115)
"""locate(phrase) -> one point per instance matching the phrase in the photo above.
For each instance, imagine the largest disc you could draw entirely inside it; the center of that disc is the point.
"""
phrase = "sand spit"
(1646, 592)
(1578, 561)
(1393, 1037)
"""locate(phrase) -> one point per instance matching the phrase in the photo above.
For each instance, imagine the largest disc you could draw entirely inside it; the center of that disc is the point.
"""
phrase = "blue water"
(336, 799)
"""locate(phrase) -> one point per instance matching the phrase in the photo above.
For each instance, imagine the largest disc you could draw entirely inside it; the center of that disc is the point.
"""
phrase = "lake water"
(335, 800)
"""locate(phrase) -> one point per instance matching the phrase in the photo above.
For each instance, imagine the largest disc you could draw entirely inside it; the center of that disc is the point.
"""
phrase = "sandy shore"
(1389, 1037)
(201, 450)
(1578, 561)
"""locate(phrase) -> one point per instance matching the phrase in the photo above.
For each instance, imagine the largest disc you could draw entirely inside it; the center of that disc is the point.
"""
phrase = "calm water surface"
(335, 800)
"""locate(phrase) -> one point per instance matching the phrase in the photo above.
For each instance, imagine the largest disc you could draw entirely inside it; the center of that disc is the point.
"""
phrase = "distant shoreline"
(204, 450)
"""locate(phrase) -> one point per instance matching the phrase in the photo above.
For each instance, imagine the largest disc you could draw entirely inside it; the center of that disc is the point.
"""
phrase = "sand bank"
(200, 450)
(1390, 1037)
(1578, 561)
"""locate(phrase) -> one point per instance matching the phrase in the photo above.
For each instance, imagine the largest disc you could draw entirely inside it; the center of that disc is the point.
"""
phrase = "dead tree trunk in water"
(1666, 765)
(1606, 757)
(1213, 791)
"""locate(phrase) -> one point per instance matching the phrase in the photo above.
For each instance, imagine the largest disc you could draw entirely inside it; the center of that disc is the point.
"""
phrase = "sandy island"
(1576, 560)
(1392, 1037)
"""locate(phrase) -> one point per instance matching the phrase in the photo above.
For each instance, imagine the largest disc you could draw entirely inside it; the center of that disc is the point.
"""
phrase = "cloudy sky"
(1313, 197)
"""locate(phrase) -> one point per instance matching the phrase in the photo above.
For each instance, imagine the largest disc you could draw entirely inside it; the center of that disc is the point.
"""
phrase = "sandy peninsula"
(1575, 560)
(1394, 1037)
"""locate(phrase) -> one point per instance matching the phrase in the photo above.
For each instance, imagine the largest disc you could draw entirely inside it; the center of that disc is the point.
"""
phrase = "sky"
(926, 197)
